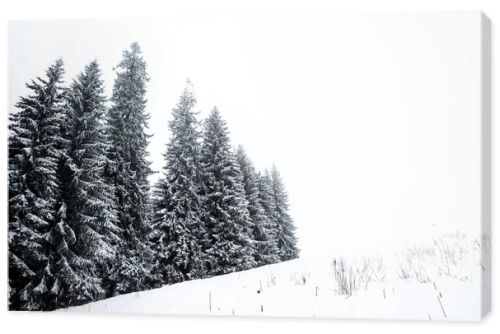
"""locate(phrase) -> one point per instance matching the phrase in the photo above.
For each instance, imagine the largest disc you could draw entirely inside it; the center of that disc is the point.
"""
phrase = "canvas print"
(311, 166)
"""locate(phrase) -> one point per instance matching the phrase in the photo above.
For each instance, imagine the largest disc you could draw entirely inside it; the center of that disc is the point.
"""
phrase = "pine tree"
(129, 169)
(287, 242)
(91, 205)
(178, 228)
(229, 247)
(35, 146)
(268, 203)
(71, 279)
(264, 235)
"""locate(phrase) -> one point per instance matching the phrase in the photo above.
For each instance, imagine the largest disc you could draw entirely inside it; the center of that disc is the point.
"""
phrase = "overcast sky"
(373, 120)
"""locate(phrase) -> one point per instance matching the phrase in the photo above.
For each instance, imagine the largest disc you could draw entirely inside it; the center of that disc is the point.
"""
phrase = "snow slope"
(296, 289)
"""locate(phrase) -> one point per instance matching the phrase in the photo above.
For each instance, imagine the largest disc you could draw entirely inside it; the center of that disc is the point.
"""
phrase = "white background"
(91, 9)
(372, 120)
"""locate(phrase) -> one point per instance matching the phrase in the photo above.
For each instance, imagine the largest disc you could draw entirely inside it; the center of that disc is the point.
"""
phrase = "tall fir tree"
(71, 278)
(264, 233)
(229, 227)
(268, 203)
(178, 228)
(91, 203)
(129, 169)
(287, 242)
(35, 147)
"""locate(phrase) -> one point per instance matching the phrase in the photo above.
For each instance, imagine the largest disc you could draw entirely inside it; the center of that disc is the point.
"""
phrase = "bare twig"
(441, 304)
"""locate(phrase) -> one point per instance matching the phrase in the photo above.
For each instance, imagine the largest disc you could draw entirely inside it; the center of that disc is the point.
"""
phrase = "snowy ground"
(439, 280)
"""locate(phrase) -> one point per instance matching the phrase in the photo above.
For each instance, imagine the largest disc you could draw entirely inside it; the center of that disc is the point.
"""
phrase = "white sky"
(372, 119)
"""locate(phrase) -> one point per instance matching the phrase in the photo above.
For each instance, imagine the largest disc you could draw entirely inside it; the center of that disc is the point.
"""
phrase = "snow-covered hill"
(438, 281)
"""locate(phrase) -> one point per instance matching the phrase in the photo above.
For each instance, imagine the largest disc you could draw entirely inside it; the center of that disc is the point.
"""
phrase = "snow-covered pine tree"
(178, 229)
(72, 279)
(268, 203)
(35, 145)
(91, 203)
(264, 233)
(129, 168)
(229, 227)
(287, 242)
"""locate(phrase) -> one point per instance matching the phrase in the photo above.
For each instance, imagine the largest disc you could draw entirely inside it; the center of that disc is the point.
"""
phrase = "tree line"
(84, 223)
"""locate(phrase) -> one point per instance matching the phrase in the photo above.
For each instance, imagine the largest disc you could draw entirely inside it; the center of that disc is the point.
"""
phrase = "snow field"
(437, 280)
